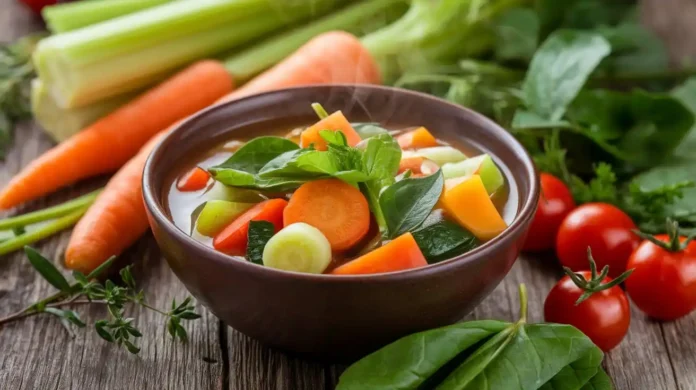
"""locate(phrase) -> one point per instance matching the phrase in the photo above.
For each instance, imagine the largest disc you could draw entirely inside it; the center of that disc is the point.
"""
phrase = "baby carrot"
(337, 209)
(116, 219)
(399, 254)
(109, 143)
(193, 180)
(233, 239)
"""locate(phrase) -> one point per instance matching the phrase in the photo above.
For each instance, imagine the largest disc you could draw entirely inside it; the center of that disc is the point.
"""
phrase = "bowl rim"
(153, 201)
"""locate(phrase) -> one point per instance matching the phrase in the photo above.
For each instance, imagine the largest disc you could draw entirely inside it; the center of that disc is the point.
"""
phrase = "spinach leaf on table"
(600, 381)
(407, 203)
(559, 69)
(259, 234)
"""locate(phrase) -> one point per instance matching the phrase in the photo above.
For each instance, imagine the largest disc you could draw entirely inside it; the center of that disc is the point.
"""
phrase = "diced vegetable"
(418, 138)
(418, 166)
(337, 209)
(482, 165)
(65, 17)
(439, 154)
(220, 191)
(335, 122)
(470, 204)
(217, 214)
(233, 238)
(194, 180)
(129, 52)
(298, 247)
(400, 254)
(369, 130)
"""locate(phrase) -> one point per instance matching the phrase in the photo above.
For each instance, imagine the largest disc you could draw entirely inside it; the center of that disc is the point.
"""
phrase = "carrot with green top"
(110, 142)
(116, 219)
(400, 254)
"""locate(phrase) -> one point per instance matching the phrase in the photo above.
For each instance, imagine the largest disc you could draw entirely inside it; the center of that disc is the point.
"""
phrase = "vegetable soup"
(341, 198)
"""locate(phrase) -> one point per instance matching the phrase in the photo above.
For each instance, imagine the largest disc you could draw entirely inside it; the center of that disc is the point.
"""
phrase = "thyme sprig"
(86, 289)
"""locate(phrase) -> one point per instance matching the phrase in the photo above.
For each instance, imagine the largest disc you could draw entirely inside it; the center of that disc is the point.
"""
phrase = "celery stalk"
(433, 33)
(47, 230)
(71, 16)
(123, 54)
(358, 19)
(60, 123)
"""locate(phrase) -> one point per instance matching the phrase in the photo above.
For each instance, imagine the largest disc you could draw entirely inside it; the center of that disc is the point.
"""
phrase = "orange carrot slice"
(399, 254)
(418, 138)
(334, 122)
(193, 180)
(469, 203)
(233, 239)
(337, 209)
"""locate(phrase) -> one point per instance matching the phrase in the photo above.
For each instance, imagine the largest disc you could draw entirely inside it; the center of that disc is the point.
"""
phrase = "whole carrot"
(109, 143)
(116, 219)
(332, 57)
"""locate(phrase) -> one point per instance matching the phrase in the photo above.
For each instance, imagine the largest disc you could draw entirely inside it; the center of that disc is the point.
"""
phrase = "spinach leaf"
(301, 163)
(334, 137)
(578, 373)
(256, 153)
(517, 32)
(369, 129)
(259, 234)
(380, 160)
(443, 240)
(526, 357)
(407, 203)
(559, 69)
(235, 178)
(410, 361)
(600, 381)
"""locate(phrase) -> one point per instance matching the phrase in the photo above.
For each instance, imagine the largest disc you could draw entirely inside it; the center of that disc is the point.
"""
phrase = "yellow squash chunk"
(469, 203)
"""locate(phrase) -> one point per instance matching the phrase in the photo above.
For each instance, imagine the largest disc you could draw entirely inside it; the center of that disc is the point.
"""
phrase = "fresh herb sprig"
(87, 290)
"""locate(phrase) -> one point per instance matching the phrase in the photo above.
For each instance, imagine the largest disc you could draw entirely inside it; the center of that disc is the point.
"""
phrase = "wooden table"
(38, 354)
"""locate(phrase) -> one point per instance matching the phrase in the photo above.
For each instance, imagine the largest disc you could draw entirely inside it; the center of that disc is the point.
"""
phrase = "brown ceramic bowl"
(339, 317)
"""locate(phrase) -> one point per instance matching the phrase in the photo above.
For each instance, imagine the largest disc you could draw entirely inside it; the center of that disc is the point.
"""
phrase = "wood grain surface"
(37, 353)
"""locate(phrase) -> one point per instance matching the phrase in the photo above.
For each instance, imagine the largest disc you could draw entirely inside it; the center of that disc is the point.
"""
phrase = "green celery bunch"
(123, 54)
(65, 17)
(435, 33)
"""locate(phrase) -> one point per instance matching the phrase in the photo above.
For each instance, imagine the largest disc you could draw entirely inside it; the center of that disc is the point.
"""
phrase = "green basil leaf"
(334, 137)
(559, 70)
(408, 362)
(517, 33)
(381, 157)
(525, 358)
(443, 240)
(407, 203)
(600, 381)
(46, 269)
(256, 153)
(369, 130)
(259, 234)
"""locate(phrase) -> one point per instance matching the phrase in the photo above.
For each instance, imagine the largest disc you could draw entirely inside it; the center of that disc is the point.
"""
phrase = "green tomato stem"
(49, 213)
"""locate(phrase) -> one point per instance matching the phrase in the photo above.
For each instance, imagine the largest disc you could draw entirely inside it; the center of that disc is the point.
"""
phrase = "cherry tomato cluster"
(662, 269)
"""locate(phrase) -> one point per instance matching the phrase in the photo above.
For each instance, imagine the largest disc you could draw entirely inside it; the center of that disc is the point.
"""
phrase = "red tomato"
(555, 203)
(37, 5)
(663, 283)
(602, 227)
(604, 317)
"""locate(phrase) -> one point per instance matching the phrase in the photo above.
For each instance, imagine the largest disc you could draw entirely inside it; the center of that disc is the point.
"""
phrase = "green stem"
(49, 213)
(145, 305)
(42, 232)
(523, 303)
(71, 16)
(319, 110)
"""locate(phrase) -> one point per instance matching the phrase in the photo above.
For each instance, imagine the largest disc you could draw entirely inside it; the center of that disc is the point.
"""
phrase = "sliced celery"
(62, 124)
(359, 18)
(123, 54)
(65, 17)
(298, 247)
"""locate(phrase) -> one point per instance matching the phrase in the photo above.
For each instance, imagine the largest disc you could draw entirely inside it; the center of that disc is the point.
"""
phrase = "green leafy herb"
(559, 70)
(255, 154)
(334, 137)
(87, 290)
(443, 239)
(484, 355)
(259, 234)
(517, 34)
(407, 203)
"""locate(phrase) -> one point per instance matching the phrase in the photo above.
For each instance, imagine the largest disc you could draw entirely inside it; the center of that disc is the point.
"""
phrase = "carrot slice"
(233, 239)
(411, 163)
(193, 180)
(334, 122)
(418, 138)
(337, 209)
(469, 203)
(399, 254)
